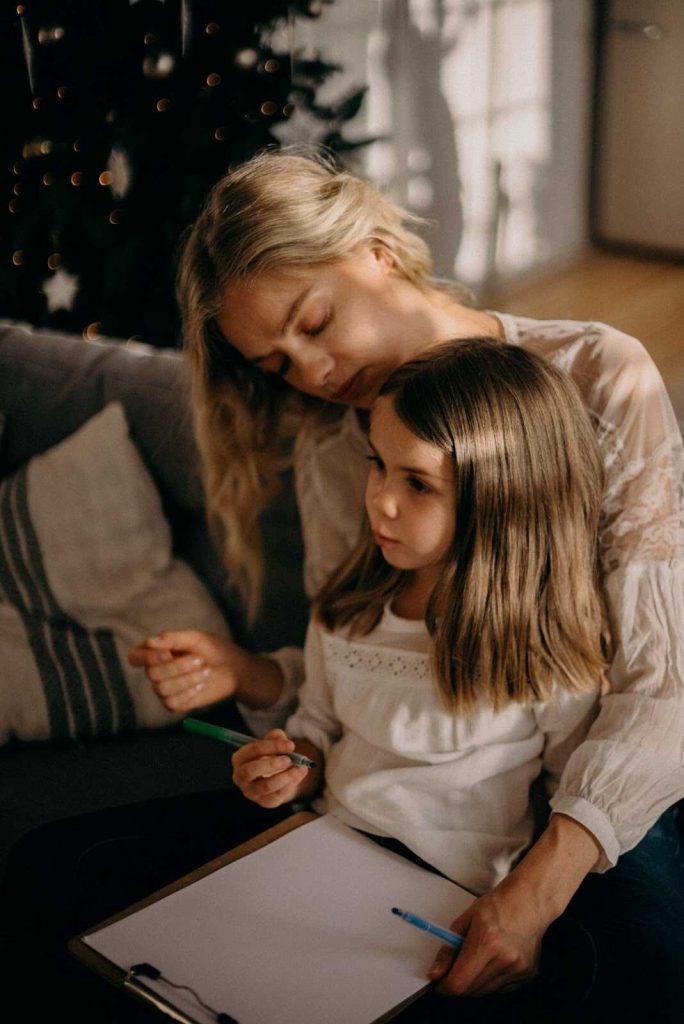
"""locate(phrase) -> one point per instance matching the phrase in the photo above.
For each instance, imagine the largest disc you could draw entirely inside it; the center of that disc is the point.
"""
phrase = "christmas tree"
(127, 111)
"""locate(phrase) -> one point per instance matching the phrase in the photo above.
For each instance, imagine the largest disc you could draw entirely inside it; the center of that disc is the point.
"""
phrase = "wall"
(483, 108)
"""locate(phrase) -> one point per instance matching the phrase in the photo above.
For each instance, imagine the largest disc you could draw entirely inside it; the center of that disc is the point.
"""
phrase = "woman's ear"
(382, 254)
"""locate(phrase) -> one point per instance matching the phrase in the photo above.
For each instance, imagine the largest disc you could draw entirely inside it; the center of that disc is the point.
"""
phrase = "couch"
(51, 384)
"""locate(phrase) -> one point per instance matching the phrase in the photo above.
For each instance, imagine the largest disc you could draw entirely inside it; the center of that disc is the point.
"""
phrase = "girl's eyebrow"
(289, 317)
(406, 469)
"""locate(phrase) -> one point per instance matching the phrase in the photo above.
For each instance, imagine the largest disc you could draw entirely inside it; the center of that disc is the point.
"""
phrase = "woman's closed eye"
(319, 327)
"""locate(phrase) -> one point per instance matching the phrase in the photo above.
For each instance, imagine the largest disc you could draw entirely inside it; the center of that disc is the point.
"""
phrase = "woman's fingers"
(142, 656)
(182, 665)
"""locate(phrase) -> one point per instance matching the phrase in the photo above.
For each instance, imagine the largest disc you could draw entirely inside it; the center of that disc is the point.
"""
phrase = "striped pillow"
(86, 571)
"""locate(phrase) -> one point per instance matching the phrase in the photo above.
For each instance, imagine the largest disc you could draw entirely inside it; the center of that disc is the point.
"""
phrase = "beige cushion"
(86, 571)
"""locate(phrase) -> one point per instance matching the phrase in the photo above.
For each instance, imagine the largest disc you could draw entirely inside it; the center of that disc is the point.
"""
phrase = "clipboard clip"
(133, 983)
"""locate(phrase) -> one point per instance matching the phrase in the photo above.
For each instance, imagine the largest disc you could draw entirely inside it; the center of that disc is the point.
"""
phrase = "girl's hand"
(265, 774)
(189, 668)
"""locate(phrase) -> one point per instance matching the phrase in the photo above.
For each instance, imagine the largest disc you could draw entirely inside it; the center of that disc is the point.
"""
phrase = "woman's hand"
(267, 776)
(189, 668)
(503, 936)
(503, 929)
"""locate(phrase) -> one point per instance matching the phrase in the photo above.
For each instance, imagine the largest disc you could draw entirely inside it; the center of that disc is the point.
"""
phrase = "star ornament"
(60, 290)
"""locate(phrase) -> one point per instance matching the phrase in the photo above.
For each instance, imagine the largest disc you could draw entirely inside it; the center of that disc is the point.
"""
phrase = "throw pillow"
(87, 571)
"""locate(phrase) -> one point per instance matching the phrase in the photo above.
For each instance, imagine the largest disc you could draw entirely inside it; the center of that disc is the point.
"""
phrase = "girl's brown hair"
(280, 209)
(517, 607)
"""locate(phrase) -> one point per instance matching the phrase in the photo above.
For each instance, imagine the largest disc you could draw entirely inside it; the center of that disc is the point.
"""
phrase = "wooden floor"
(645, 298)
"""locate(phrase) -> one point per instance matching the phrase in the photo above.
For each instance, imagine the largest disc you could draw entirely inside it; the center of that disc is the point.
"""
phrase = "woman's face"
(334, 330)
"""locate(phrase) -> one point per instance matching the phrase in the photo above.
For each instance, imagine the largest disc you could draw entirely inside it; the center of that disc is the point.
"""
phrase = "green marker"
(235, 739)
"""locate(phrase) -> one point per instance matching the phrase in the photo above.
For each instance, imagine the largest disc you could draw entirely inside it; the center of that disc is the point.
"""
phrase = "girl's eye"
(375, 461)
(416, 484)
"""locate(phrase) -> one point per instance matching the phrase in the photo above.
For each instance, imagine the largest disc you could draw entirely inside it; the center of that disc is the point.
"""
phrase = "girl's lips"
(382, 541)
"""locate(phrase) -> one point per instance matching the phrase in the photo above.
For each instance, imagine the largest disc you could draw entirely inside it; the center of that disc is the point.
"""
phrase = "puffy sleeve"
(630, 768)
(315, 719)
(330, 471)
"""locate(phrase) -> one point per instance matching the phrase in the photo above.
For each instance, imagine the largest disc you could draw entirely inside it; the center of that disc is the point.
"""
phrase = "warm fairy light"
(213, 79)
(16, 189)
(17, 168)
(20, 9)
(18, 257)
(246, 58)
(78, 146)
(35, 102)
(63, 92)
(288, 109)
(54, 261)
(212, 28)
(77, 178)
(92, 331)
(271, 65)
(149, 39)
(115, 217)
(163, 105)
(106, 178)
(220, 134)
(50, 35)
(269, 107)
(48, 179)
(14, 206)
(45, 147)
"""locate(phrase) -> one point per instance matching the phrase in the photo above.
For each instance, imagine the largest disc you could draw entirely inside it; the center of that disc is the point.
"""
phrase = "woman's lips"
(382, 540)
(351, 389)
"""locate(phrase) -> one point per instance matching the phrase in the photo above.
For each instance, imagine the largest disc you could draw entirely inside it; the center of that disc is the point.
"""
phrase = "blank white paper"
(299, 932)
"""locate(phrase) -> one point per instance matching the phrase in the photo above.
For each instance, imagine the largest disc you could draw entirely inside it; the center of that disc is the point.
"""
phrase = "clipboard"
(352, 896)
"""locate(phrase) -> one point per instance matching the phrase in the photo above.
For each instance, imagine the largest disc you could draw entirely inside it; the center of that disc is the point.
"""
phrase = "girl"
(458, 651)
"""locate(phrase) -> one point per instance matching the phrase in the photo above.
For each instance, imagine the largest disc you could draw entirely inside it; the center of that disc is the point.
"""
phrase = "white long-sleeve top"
(630, 768)
(398, 763)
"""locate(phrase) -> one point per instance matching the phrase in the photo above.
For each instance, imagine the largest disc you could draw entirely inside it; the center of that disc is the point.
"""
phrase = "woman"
(302, 289)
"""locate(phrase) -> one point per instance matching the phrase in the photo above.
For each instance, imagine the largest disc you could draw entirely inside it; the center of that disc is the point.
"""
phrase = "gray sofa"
(50, 384)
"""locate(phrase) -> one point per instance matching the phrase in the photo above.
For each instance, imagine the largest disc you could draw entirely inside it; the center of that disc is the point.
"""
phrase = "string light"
(14, 206)
(220, 134)
(45, 147)
(20, 9)
(163, 105)
(271, 65)
(78, 146)
(212, 28)
(149, 39)
(17, 168)
(213, 79)
(269, 107)
(106, 178)
(18, 257)
(55, 261)
(48, 179)
(246, 58)
(77, 178)
(50, 35)
(288, 109)
(115, 217)
(92, 331)
(35, 102)
(63, 92)
(16, 189)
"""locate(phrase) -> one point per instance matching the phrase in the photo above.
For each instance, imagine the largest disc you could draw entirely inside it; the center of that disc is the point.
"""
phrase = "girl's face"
(334, 330)
(410, 495)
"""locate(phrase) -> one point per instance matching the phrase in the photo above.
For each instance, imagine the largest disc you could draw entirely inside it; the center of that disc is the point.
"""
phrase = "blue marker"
(451, 938)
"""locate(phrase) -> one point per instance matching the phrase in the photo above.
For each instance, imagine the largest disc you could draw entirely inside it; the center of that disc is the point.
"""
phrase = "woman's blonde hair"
(517, 606)
(282, 208)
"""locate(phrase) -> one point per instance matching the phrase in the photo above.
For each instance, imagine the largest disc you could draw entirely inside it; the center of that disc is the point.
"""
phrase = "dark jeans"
(617, 954)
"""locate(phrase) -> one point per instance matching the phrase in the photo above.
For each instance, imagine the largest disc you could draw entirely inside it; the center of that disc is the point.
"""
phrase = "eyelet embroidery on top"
(345, 655)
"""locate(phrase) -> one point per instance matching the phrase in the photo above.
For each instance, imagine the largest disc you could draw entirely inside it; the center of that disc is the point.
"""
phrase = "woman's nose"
(385, 501)
(314, 368)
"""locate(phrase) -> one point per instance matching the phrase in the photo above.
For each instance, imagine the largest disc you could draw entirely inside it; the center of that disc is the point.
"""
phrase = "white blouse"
(397, 763)
(630, 768)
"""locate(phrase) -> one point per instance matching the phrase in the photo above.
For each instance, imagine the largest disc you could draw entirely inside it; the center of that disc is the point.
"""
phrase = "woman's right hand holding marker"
(267, 776)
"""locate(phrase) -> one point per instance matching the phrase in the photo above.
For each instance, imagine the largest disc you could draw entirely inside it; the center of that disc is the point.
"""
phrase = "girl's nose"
(385, 501)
